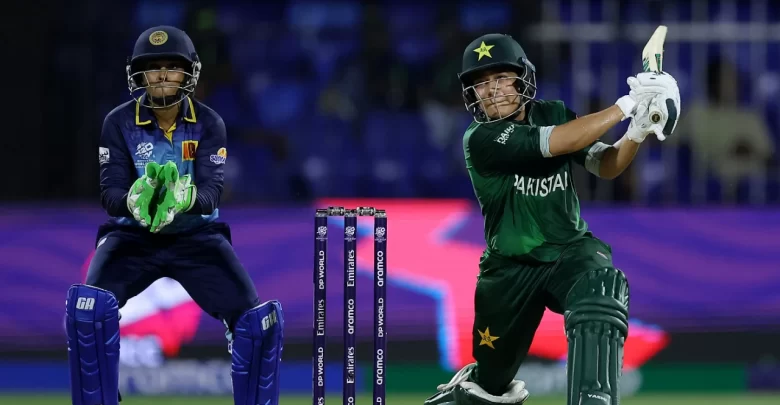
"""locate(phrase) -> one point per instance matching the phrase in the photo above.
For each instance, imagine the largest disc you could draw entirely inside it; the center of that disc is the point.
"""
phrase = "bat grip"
(655, 115)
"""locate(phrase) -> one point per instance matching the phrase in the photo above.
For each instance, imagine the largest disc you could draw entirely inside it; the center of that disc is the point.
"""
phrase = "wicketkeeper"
(162, 158)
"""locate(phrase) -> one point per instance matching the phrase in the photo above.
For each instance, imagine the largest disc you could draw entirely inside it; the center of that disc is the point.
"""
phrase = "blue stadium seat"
(279, 54)
(393, 134)
(479, 17)
(248, 53)
(772, 120)
(406, 19)
(313, 16)
(237, 18)
(286, 52)
(773, 190)
(413, 31)
(417, 50)
(334, 51)
(282, 101)
(150, 13)
(773, 12)
(394, 145)
(713, 189)
(249, 163)
(684, 173)
(683, 62)
(227, 101)
(328, 154)
(635, 12)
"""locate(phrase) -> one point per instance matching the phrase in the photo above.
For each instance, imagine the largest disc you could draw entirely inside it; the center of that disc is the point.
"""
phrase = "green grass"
(666, 399)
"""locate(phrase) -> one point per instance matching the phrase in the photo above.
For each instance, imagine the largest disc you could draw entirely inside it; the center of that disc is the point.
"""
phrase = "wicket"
(350, 299)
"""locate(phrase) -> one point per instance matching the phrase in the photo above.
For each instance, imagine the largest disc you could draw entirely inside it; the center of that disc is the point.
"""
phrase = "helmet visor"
(500, 98)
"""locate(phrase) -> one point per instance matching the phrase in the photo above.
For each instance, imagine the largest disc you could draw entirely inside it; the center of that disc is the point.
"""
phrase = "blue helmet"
(160, 43)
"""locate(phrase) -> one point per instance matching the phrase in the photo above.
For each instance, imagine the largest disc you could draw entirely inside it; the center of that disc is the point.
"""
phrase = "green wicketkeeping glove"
(142, 194)
(179, 196)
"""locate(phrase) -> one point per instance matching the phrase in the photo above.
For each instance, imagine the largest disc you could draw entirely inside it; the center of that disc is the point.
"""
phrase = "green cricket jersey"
(527, 197)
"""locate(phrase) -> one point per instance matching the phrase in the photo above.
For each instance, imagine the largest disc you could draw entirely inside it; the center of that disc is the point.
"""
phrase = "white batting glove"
(668, 105)
(641, 126)
(662, 89)
(627, 105)
(647, 84)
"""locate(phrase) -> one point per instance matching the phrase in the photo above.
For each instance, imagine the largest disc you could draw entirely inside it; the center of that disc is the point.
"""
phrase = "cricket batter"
(519, 154)
(162, 158)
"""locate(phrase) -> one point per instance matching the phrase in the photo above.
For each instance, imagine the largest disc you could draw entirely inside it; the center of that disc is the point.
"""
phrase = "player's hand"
(142, 193)
(627, 105)
(663, 90)
(641, 126)
(649, 84)
(179, 196)
(667, 105)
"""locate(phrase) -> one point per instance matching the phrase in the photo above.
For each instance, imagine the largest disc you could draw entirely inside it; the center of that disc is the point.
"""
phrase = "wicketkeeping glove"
(179, 196)
(142, 194)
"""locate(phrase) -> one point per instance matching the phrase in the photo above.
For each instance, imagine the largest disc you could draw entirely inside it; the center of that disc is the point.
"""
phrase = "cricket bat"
(653, 60)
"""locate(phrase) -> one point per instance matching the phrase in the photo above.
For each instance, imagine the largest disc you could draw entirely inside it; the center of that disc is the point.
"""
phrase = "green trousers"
(510, 300)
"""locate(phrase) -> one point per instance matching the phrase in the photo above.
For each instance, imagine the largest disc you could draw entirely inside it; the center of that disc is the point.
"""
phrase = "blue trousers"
(128, 260)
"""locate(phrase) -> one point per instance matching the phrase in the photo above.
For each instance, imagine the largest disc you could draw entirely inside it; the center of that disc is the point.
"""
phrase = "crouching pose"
(162, 157)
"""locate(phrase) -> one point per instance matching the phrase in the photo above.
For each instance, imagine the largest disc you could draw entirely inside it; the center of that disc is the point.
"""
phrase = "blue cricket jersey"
(196, 142)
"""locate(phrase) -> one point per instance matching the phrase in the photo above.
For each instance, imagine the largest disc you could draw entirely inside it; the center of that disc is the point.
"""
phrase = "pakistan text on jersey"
(541, 187)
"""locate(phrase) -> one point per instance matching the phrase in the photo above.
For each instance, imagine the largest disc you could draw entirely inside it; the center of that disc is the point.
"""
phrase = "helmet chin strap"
(511, 117)
(166, 101)
(514, 115)
(517, 112)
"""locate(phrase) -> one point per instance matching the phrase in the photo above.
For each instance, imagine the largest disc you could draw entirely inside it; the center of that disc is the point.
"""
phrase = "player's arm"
(578, 134)
(117, 172)
(508, 148)
(616, 158)
(209, 169)
(607, 161)
(604, 160)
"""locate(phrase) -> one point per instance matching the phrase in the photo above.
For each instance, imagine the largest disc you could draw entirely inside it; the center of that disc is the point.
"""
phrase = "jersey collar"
(143, 115)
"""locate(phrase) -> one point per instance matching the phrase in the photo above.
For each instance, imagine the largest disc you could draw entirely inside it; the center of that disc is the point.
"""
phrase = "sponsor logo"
(220, 157)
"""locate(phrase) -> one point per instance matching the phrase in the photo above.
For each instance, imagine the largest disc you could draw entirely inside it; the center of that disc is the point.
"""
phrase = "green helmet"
(496, 52)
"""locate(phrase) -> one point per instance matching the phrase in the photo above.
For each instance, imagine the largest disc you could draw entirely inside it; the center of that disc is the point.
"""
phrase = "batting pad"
(257, 351)
(596, 323)
(93, 345)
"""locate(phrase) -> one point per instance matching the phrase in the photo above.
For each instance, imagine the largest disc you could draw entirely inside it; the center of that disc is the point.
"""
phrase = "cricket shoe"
(446, 392)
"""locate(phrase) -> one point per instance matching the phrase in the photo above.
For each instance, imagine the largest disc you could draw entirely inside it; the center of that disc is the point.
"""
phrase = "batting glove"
(641, 126)
(142, 193)
(667, 104)
(627, 105)
(180, 195)
(648, 84)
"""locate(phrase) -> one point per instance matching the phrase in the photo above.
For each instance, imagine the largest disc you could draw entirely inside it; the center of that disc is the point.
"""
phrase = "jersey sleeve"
(508, 147)
(117, 172)
(590, 156)
(210, 161)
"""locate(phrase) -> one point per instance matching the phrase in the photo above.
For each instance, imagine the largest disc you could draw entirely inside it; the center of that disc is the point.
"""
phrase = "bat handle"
(655, 115)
